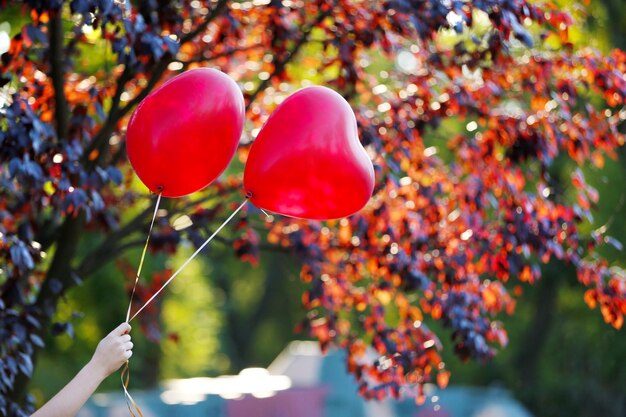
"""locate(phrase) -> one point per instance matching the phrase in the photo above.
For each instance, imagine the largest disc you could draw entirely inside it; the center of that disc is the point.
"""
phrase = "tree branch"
(119, 154)
(108, 127)
(113, 247)
(264, 247)
(160, 68)
(110, 247)
(57, 73)
(208, 19)
(224, 54)
(280, 64)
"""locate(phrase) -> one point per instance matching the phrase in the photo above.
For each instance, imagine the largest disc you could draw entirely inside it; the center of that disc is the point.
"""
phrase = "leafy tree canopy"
(469, 110)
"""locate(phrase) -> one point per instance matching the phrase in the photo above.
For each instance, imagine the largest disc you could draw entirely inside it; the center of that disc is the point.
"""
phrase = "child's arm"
(111, 353)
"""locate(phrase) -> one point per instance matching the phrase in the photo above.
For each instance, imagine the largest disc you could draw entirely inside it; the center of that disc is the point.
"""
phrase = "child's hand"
(111, 353)
(113, 350)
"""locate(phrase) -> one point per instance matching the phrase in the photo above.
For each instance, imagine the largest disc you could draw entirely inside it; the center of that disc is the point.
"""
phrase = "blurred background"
(222, 316)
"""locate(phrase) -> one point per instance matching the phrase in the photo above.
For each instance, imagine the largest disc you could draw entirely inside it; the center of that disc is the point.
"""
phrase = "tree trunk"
(58, 280)
(536, 334)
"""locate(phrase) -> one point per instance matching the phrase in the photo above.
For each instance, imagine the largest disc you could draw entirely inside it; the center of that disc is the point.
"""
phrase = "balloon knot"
(249, 195)
(160, 188)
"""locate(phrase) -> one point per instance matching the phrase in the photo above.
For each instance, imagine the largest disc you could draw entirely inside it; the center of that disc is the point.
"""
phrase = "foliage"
(452, 222)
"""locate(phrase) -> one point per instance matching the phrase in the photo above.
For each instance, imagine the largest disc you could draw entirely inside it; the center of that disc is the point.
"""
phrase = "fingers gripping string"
(143, 255)
(206, 242)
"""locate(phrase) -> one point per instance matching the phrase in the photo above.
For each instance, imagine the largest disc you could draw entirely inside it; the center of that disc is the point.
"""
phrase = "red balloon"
(183, 134)
(307, 160)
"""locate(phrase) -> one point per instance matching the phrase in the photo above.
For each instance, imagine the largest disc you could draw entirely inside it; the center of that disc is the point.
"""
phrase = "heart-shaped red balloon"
(183, 135)
(307, 160)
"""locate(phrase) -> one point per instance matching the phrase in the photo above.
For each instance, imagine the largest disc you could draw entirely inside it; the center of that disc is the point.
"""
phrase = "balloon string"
(143, 256)
(206, 242)
(265, 212)
(125, 376)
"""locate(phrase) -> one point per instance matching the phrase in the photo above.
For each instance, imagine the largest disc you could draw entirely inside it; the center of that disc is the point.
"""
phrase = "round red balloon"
(183, 134)
(307, 160)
